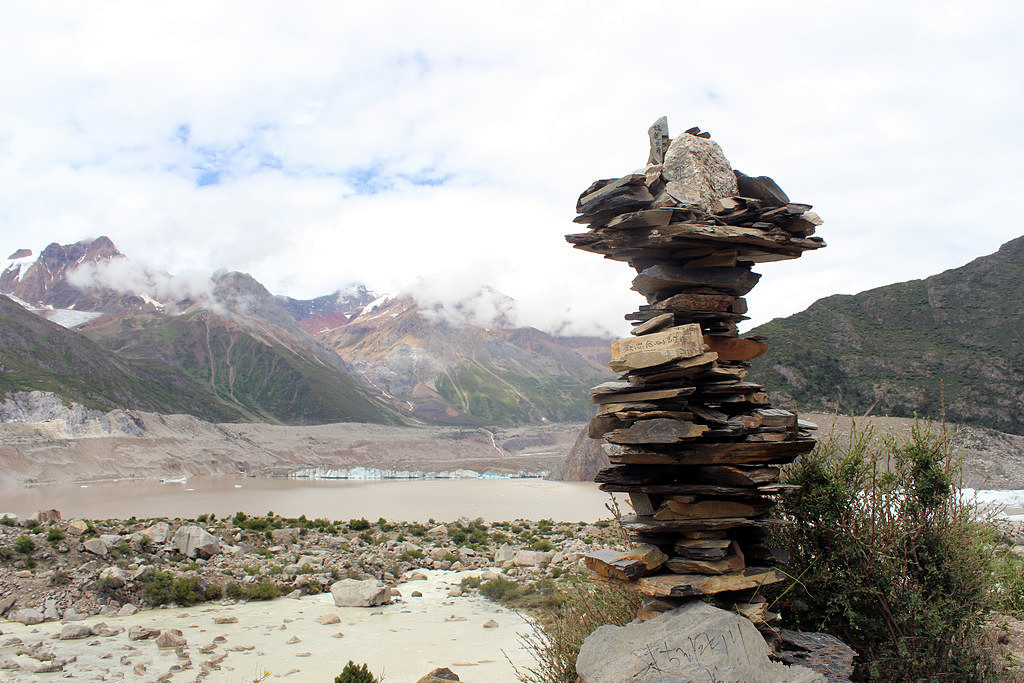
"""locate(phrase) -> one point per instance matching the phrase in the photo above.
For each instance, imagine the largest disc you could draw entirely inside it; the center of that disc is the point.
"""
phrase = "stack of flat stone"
(697, 448)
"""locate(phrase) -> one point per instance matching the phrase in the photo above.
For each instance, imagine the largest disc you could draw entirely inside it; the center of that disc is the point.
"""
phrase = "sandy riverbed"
(402, 641)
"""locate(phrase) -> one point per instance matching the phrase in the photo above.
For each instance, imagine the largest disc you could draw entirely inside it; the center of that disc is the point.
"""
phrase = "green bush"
(54, 535)
(264, 590)
(358, 524)
(470, 582)
(355, 674)
(24, 545)
(889, 557)
(499, 589)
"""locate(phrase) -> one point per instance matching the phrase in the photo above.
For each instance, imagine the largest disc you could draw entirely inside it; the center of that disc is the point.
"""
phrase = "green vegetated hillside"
(450, 372)
(952, 342)
(37, 355)
(260, 375)
(495, 396)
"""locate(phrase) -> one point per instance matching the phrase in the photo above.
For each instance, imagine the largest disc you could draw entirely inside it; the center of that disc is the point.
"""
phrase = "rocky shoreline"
(55, 570)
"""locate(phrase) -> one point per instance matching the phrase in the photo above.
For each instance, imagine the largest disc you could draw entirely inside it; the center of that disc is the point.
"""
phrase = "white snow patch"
(151, 301)
(21, 302)
(19, 265)
(65, 317)
(379, 301)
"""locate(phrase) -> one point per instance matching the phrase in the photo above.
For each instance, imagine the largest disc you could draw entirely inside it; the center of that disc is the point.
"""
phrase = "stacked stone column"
(696, 447)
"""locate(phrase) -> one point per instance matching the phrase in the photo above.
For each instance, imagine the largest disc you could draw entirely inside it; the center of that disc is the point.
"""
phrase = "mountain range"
(229, 350)
(950, 345)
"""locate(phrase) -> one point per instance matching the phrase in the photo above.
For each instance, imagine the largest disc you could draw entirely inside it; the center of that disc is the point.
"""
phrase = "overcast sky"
(313, 144)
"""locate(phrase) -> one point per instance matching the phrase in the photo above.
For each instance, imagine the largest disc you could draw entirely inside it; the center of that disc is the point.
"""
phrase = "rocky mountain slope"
(230, 350)
(38, 355)
(950, 345)
(446, 370)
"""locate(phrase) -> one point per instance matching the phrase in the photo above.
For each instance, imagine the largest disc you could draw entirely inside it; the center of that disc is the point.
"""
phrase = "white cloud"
(898, 121)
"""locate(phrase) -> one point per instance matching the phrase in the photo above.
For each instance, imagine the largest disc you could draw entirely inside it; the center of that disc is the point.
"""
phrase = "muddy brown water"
(399, 500)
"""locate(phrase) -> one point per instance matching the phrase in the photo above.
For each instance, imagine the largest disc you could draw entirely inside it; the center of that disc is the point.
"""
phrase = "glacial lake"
(400, 500)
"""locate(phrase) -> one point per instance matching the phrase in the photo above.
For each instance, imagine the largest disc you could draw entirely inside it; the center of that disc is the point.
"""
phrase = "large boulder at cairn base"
(696, 642)
(195, 541)
(700, 169)
(355, 593)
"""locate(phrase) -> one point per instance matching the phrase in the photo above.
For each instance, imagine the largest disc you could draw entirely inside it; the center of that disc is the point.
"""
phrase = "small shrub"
(214, 591)
(24, 545)
(106, 586)
(889, 557)
(500, 589)
(543, 544)
(413, 554)
(358, 524)
(264, 590)
(559, 630)
(234, 591)
(54, 535)
(355, 674)
(470, 582)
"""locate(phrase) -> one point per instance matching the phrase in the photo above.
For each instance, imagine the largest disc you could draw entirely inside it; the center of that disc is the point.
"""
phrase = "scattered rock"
(95, 546)
(504, 554)
(532, 558)
(77, 527)
(138, 632)
(225, 619)
(158, 533)
(27, 616)
(490, 623)
(194, 541)
(330, 618)
(170, 638)
(75, 631)
(439, 675)
(127, 610)
(44, 516)
(113, 577)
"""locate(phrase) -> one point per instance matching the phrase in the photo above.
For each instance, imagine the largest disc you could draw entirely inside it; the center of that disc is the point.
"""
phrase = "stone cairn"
(697, 448)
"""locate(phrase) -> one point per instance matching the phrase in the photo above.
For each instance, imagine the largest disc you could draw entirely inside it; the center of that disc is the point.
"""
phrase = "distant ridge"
(226, 349)
(951, 344)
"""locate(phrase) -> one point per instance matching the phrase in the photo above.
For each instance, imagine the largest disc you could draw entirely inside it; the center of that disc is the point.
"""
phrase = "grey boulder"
(701, 170)
(195, 541)
(75, 631)
(696, 642)
(27, 616)
(355, 593)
